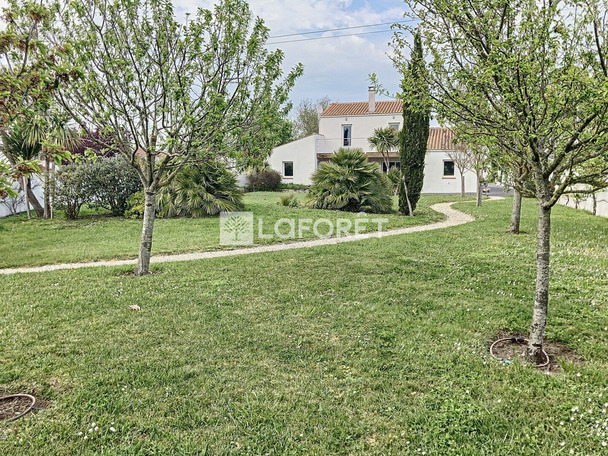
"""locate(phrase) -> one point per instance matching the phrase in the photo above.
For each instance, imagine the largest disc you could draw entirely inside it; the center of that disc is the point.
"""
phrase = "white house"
(350, 125)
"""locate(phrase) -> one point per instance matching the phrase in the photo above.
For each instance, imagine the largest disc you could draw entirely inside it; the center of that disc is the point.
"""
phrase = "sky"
(338, 68)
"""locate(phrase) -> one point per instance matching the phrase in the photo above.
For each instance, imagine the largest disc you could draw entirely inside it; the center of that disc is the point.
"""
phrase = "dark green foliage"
(267, 180)
(415, 133)
(110, 183)
(71, 188)
(350, 183)
(199, 190)
(294, 187)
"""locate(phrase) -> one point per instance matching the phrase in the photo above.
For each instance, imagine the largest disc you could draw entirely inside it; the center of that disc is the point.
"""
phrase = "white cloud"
(335, 67)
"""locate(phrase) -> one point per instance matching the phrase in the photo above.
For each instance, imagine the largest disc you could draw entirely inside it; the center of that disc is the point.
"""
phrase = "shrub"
(200, 189)
(135, 205)
(350, 183)
(111, 182)
(267, 180)
(295, 187)
(71, 188)
(289, 199)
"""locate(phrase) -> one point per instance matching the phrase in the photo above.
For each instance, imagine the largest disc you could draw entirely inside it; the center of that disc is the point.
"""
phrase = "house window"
(393, 164)
(287, 169)
(448, 168)
(346, 135)
(394, 126)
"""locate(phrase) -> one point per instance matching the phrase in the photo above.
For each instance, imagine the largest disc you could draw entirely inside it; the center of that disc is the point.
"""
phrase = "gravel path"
(453, 218)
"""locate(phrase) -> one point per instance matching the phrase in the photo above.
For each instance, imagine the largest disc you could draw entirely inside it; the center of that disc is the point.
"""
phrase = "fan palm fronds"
(350, 183)
(200, 190)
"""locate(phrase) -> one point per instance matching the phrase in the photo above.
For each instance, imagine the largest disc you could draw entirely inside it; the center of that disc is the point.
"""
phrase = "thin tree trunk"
(516, 212)
(145, 248)
(594, 196)
(47, 190)
(478, 189)
(27, 199)
(386, 162)
(407, 198)
(52, 190)
(462, 192)
(32, 198)
(541, 298)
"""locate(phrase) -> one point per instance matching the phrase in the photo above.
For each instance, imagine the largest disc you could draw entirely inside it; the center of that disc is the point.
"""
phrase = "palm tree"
(52, 134)
(350, 183)
(384, 140)
(17, 147)
(200, 189)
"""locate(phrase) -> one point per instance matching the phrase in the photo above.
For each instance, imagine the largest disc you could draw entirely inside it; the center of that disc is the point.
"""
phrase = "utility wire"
(340, 29)
(328, 37)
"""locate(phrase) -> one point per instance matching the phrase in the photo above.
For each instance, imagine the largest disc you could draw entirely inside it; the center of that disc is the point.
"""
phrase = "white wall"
(436, 182)
(8, 208)
(362, 128)
(303, 154)
(587, 204)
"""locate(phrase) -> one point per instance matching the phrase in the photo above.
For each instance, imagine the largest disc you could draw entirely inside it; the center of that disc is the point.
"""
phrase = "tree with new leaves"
(462, 161)
(414, 136)
(307, 114)
(384, 140)
(169, 93)
(531, 77)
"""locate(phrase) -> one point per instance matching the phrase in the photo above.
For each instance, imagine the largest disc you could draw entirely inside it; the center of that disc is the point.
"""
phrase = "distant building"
(350, 125)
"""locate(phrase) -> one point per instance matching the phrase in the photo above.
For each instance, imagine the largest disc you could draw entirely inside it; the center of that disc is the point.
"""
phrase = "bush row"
(106, 183)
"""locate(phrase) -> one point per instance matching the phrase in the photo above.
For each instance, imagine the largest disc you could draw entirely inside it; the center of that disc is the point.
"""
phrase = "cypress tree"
(414, 136)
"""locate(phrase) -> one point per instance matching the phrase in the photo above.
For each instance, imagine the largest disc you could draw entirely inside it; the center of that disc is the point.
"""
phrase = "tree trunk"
(32, 198)
(478, 188)
(541, 298)
(27, 199)
(407, 198)
(516, 212)
(462, 192)
(52, 192)
(145, 248)
(47, 189)
(594, 196)
(386, 162)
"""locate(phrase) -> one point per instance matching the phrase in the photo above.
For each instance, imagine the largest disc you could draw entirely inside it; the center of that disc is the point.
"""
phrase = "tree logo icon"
(236, 228)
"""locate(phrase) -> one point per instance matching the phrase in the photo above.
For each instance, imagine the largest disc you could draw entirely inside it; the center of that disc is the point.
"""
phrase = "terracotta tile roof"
(441, 138)
(361, 108)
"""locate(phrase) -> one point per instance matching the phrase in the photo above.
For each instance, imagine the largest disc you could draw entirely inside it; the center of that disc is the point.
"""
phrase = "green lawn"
(374, 347)
(98, 236)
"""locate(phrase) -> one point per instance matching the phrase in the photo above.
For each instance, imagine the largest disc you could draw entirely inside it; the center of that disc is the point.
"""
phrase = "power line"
(340, 29)
(328, 37)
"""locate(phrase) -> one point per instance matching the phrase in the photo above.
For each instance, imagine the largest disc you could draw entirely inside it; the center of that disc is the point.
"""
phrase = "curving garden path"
(453, 218)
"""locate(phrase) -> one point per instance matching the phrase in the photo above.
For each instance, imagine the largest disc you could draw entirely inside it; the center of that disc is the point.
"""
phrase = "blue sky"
(335, 67)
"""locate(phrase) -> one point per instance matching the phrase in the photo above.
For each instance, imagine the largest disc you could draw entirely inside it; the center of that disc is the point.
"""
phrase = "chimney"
(372, 100)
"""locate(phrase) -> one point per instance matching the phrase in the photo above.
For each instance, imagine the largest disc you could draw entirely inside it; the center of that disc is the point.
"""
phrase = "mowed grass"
(376, 347)
(97, 236)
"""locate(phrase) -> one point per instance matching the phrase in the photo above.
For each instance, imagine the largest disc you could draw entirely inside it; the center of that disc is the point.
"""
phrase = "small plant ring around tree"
(15, 406)
(519, 340)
